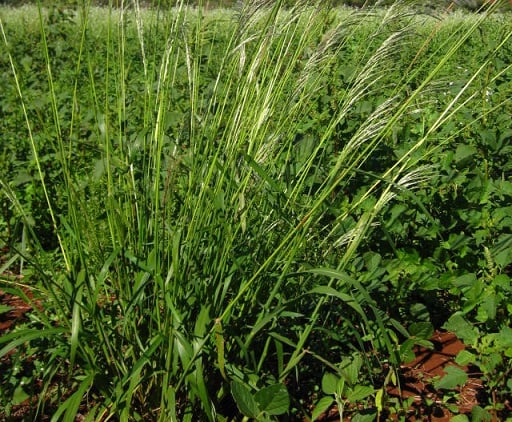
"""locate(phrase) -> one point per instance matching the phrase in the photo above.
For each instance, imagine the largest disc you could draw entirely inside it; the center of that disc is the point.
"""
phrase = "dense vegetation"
(453, 4)
(229, 212)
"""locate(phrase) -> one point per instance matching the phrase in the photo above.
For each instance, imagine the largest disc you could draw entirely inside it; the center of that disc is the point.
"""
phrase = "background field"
(457, 4)
(254, 211)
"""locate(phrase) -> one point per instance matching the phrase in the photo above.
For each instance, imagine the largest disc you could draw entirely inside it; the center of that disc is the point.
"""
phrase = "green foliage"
(272, 400)
(454, 377)
(344, 388)
(216, 204)
(490, 351)
(471, 5)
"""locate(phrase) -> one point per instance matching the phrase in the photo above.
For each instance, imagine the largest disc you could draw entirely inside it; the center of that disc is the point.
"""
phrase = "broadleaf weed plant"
(214, 197)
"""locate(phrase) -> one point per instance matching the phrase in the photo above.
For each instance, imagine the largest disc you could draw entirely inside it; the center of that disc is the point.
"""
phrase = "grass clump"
(195, 188)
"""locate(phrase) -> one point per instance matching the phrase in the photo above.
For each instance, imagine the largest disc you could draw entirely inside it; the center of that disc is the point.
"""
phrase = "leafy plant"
(344, 388)
(490, 352)
(269, 401)
(211, 185)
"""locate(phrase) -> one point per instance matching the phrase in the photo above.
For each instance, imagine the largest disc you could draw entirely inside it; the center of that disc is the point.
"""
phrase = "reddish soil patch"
(418, 376)
(26, 411)
(17, 312)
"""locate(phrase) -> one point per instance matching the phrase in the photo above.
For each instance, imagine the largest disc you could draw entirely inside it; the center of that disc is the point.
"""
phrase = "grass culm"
(201, 180)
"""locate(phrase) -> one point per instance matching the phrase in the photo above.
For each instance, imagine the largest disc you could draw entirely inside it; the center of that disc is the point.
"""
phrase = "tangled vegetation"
(234, 213)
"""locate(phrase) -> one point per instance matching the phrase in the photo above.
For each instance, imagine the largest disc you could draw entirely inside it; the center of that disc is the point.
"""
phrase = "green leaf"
(406, 351)
(359, 392)
(464, 357)
(503, 258)
(502, 250)
(424, 343)
(366, 417)
(503, 282)
(454, 377)
(459, 418)
(76, 320)
(184, 348)
(479, 414)
(321, 407)
(466, 280)
(262, 173)
(419, 311)
(373, 261)
(329, 291)
(462, 329)
(329, 383)
(27, 335)
(219, 344)
(273, 400)
(19, 395)
(464, 151)
(380, 399)
(489, 306)
(504, 340)
(423, 330)
(70, 407)
(350, 370)
(244, 400)
(202, 321)
(399, 327)
(4, 308)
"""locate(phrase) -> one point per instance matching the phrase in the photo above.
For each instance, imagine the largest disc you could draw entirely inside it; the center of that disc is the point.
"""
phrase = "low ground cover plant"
(242, 213)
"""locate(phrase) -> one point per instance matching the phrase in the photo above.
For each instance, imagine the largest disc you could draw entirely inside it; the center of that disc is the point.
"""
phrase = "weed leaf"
(329, 383)
(359, 392)
(454, 377)
(422, 330)
(463, 329)
(479, 414)
(321, 407)
(273, 400)
(366, 417)
(244, 400)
